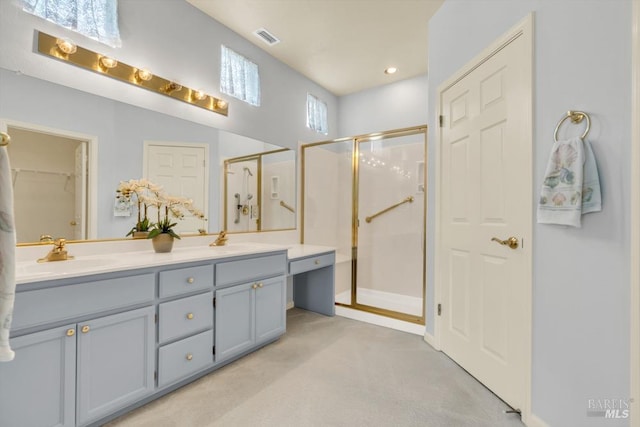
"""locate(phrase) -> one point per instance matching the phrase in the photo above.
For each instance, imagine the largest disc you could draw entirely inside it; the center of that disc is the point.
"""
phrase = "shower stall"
(259, 192)
(366, 197)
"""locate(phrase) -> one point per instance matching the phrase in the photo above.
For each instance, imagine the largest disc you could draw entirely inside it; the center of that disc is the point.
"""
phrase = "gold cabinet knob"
(73, 223)
(254, 286)
(512, 242)
(85, 329)
(189, 356)
(189, 316)
(260, 285)
(71, 332)
(317, 262)
(191, 280)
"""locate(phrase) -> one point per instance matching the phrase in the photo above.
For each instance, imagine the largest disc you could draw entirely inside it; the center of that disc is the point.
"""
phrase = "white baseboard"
(431, 340)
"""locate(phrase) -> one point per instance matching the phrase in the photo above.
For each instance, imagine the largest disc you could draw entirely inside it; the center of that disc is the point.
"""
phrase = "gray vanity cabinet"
(248, 315)
(116, 362)
(42, 380)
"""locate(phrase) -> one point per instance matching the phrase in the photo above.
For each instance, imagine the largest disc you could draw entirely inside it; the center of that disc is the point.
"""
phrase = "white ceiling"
(343, 45)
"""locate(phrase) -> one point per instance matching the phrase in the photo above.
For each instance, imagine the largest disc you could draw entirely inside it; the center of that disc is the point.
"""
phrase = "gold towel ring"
(576, 117)
(4, 139)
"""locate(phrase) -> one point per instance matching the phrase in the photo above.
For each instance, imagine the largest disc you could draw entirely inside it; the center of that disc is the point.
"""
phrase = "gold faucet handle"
(60, 242)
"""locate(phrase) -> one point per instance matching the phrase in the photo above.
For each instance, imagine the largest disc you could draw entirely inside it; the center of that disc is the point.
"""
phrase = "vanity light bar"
(101, 64)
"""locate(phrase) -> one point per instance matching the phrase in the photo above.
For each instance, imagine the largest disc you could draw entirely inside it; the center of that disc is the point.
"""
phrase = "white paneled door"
(485, 219)
(182, 171)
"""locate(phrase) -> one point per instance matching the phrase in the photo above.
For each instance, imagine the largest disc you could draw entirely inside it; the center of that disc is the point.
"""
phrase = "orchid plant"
(148, 194)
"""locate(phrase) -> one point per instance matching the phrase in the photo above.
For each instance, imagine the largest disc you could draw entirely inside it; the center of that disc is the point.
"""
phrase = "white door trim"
(635, 219)
(92, 161)
(523, 28)
(145, 153)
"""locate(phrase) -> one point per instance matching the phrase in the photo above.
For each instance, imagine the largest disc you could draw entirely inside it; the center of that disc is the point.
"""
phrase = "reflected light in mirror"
(66, 46)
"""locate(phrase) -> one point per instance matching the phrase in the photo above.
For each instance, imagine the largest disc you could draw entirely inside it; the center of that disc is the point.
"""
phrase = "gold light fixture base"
(93, 61)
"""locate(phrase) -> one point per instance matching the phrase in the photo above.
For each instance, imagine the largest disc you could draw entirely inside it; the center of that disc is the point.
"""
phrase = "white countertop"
(32, 271)
(302, 251)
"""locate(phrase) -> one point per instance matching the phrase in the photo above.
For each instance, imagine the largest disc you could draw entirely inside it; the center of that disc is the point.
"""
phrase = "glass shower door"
(390, 225)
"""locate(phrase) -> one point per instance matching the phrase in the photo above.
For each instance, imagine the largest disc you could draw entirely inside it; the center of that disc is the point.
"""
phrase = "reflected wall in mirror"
(260, 191)
(117, 133)
(50, 176)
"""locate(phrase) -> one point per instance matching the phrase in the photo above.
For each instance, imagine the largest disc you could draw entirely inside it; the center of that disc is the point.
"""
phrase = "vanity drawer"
(185, 316)
(41, 306)
(184, 280)
(311, 263)
(245, 270)
(182, 358)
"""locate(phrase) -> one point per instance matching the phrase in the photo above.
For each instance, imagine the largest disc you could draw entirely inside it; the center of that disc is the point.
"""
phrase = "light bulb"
(106, 62)
(143, 75)
(66, 46)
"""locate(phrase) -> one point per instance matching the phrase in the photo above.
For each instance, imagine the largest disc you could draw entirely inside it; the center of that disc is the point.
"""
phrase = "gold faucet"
(221, 240)
(58, 253)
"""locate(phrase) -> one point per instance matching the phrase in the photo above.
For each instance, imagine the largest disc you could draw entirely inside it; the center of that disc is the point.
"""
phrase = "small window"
(96, 19)
(317, 114)
(239, 77)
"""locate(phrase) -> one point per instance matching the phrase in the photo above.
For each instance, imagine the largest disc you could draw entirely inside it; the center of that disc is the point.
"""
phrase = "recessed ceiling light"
(390, 70)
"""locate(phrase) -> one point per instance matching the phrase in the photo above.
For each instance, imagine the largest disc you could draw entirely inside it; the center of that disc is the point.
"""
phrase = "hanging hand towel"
(7, 256)
(571, 184)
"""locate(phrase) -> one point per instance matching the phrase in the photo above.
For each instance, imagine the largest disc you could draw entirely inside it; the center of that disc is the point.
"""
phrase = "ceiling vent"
(266, 36)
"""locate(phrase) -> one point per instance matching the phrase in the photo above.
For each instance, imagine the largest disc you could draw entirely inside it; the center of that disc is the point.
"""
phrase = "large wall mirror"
(70, 150)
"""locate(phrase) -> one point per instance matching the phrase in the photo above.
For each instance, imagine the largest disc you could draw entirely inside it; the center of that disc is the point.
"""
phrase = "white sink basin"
(34, 268)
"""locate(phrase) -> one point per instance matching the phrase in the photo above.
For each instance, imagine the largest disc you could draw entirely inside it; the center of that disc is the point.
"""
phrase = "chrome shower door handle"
(512, 242)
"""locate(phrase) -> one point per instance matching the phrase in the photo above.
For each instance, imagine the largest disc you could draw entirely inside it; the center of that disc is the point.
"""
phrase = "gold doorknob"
(191, 280)
(85, 329)
(71, 332)
(189, 356)
(512, 242)
(190, 316)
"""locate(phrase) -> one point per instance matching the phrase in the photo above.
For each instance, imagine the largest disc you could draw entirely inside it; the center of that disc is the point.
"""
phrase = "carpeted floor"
(331, 372)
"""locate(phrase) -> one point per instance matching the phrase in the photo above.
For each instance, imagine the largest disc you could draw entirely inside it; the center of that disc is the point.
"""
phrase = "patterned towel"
(571, 186)
(7, 256)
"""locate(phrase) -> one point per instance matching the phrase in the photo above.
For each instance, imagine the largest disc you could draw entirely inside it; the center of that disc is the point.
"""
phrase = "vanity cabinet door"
(271, 300)
(235, 332)
(116, 362)
(38, 388)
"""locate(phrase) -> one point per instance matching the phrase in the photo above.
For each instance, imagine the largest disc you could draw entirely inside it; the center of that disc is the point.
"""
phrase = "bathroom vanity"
(96, 337)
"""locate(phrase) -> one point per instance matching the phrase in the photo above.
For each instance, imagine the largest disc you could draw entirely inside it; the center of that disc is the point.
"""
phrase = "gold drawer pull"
(71, 332)
(191, 280)
(189, 357)
(85, 329)
(317, 262)
(189, 316)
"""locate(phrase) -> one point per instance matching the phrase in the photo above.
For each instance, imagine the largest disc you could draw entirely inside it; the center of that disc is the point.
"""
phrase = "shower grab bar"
(287, 207)
(407, 200)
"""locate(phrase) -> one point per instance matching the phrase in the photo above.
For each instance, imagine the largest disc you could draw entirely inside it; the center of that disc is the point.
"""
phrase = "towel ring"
(576, 117)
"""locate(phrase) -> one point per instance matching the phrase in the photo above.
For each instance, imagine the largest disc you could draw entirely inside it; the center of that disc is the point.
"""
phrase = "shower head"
(246, 169)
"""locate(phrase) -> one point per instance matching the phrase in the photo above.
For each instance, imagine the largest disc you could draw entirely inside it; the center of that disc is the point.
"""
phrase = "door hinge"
(441, 120)
(439, 309)
(155, 318)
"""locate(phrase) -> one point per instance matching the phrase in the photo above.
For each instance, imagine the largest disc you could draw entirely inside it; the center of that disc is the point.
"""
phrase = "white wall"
(176, 41)
(393, 106)
(581, 276)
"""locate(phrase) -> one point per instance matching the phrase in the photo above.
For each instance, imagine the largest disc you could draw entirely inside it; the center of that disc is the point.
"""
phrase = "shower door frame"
(355, 154)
